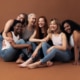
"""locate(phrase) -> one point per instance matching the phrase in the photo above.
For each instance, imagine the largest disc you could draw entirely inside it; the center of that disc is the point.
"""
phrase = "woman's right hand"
(9, 39)
(43, 40)
(29, 48)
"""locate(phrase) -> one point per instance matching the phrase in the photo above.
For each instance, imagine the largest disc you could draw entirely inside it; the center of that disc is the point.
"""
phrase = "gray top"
(27, 34)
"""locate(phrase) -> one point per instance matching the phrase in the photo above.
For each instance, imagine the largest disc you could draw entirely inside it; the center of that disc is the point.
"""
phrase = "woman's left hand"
(48, 51)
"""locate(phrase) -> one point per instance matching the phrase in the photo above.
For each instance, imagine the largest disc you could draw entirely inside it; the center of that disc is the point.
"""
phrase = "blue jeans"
(59, 54)
(28, 54)
(11, 54)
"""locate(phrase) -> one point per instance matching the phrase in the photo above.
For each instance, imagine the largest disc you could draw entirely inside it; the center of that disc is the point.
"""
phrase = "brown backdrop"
(61, 9)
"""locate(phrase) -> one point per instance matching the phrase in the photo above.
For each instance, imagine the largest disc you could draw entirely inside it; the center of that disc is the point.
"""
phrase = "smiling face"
(18, 28)
(67, 28)
(20, 17)
(41, 22)
(53, 26)
(32, 19)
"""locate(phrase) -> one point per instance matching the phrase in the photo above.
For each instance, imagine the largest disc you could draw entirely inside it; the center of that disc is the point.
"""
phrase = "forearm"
(20, 46)
(35, 40)
(38, 47)
(60, 47)
(4, 35)
(76, 53)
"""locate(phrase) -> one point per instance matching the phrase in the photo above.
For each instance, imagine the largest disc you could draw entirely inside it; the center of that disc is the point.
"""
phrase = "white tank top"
(57, 40)
(71, 41)
(6, 44)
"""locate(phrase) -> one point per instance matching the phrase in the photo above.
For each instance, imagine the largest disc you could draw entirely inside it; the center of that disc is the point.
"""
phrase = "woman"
(10, 49)
(8, 27)
(27, 33)
(72, 30)
(59, 48)
(37, 37)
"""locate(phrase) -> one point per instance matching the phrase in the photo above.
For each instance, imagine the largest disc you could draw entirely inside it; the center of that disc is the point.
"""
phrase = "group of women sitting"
(32, 43)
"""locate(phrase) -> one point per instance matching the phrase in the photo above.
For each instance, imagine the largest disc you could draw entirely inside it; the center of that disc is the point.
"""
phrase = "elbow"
(64, 48)
(30, 39)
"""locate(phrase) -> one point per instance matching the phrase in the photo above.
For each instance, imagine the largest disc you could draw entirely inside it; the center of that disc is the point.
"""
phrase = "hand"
(43, 40)
(48, 51)
(9, 39)
(29, 48)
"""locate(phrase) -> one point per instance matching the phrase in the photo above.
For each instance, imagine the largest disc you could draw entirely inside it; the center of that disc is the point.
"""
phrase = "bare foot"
(49, 63)
(33, 65)
(23, 65)
(19, 61)
(76, 63)
(42, 65)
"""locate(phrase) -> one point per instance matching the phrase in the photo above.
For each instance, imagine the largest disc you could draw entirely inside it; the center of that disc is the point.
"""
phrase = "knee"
(44, 44)
(55, 50)
(21, 41)
(67, 59)
(28, 42)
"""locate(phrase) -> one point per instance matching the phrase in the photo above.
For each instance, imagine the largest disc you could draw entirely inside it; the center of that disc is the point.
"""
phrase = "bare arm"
(33, 39)
(6, 29)
(76, 46)
(18, 46)
(36, 50)
(63, 46)
(40, 45)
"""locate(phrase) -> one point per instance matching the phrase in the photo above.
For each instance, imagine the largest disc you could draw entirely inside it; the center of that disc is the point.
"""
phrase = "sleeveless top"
(71, 41)
(27, 34)
(6, 44)
(57, 40)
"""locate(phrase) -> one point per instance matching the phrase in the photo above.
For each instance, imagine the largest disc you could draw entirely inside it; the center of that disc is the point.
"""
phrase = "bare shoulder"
(63, 34)
(76, 36)
(76, 32)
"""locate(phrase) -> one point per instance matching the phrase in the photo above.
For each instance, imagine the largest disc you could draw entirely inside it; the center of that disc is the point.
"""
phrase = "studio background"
(61, 9)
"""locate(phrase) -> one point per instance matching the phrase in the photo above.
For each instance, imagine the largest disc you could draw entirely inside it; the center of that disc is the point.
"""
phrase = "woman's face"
(53, 26)
(41, 22)
(20, 17)
(18, 28)
(32, 20)
(67, 28)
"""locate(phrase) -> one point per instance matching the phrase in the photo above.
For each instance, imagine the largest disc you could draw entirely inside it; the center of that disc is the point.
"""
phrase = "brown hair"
(25, 20)
(38, 28)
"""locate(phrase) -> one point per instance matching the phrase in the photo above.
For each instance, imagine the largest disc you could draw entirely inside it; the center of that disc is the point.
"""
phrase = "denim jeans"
(28, 54)
(11, 54)
(59, 54)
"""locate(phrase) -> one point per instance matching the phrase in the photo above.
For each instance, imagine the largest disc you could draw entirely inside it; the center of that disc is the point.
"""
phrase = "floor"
(60, 71)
